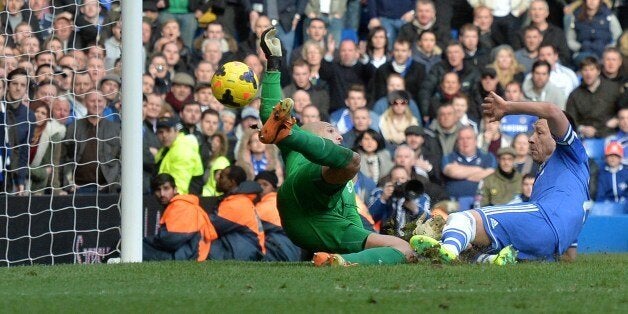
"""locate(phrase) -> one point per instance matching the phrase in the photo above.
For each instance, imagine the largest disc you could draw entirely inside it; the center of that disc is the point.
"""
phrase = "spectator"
(361, 121)
(92, 150)
(315, 32)
(181, 92)
(45, 152)
(218, 161)
(539, 88)
(313, 54)
(204, 95)
(344, 72)
(113, 45)
(237, 224)
(452, 63)
(151, 109)
(185, 231)
(19, 125)
(395, 82)
(448, 88)
(356, 99)
(490, 137)
(483, 19)
(424, 19)
(593, 104)
(612, 66)
(61, 110)
(179, 155)
(425, 51)
(301, 81)
(465, 167)
(174, 57)
(12, 15)
(461, 107)
(527, 182)
(560, 76)
(506, 66)
(204, 72)
(523, 160)
(310, 113)
(397, 118)
(109, 86)
(529, 53)
(159, 69)
(474, 54)
(538, 13)
(212, 53)
(301, 99)
(278, 245)
(402, 64)
(613, 179)
(178, 21)
(590, 29)
(427, 152)
(621, 135)
(391, 16)
(255, 63)
(511, 125)
(377, 46)
(254, 156)
(504, 184)
(505, 18)
(376, 161)
(215, 30)
(445, 128)
(148, 84)
(392, 208)
(488, 83)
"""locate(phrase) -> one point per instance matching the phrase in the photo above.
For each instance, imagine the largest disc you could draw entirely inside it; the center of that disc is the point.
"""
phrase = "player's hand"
(270, 44)
(494, 107)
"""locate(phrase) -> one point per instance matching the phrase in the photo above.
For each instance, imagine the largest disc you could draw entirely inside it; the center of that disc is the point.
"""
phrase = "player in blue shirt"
(544, 227)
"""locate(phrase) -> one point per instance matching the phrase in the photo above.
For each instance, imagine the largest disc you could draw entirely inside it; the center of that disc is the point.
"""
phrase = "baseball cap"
(398, 95)
(168, 122)
(111, 77)
(506, 150)
(488, 71)
(183, 79)
(414, 130)
(614, 148)
(249, 112)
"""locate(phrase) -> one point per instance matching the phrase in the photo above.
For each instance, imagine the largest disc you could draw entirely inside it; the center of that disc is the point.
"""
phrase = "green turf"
(593, 284)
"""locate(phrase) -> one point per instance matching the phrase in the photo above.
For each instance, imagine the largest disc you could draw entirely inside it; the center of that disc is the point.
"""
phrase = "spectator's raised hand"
(494, 107)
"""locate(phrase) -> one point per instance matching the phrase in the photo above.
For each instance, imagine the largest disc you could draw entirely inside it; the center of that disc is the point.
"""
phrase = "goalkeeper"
(317, 200)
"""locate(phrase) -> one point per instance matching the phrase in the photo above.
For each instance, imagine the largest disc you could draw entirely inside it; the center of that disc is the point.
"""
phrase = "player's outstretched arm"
(495, 108)
(271, 88)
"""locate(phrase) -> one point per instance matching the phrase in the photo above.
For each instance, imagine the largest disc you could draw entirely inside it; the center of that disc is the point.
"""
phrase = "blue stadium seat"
(595, 149)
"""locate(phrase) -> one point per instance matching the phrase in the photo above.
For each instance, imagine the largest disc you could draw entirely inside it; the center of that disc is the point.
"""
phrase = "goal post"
(131, 157)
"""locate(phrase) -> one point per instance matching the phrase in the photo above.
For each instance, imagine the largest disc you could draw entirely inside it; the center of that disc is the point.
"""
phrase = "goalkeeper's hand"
(271, 45)
(432, 227)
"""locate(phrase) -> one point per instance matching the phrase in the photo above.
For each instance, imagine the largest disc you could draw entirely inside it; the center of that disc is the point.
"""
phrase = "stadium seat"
(595, 149)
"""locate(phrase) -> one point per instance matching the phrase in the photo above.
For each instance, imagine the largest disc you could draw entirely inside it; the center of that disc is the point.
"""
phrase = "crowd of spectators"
(402, 80)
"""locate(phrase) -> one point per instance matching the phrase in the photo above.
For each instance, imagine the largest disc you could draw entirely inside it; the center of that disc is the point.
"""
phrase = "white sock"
(458, 232)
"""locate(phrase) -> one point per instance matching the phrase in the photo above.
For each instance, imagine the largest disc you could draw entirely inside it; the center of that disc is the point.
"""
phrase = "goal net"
(59, 131)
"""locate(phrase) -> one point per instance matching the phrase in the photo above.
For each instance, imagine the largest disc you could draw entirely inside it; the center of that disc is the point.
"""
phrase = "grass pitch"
(593, 284)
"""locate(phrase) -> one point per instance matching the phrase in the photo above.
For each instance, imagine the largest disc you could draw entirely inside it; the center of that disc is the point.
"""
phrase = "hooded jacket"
(240, 231)
(185, 232)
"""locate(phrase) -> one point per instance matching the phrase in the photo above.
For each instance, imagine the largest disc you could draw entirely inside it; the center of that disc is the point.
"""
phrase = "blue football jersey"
(561, 188)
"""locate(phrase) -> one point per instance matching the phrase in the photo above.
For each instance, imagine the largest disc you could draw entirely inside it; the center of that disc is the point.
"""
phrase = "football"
(234, 84)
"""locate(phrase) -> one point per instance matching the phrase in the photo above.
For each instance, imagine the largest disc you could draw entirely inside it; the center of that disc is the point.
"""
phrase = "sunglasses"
(400, 102)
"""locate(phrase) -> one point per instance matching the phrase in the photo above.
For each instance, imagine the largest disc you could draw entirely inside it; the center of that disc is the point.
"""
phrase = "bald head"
(324, 130)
